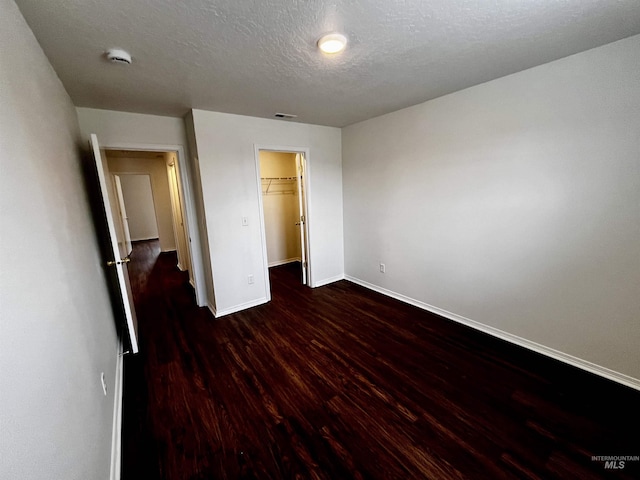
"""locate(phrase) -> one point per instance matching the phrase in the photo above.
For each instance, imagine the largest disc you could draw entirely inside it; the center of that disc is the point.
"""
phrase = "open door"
(303, 216)
(119, 256)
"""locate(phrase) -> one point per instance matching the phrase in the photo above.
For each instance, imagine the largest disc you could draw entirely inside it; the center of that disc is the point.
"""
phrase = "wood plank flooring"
(340, 382)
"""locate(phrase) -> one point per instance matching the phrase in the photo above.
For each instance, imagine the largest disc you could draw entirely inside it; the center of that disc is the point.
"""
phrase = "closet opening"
(285, 222)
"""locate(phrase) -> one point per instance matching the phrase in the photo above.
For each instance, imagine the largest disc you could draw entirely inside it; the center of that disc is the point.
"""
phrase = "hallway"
(340, 382)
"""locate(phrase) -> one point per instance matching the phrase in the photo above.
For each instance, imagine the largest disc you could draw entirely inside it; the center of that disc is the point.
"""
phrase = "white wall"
(281, 207)
(138, 200)
(514, 204)
(125, 130)
(117, 128)
(157, 169)
(226, 153)
(57, 333)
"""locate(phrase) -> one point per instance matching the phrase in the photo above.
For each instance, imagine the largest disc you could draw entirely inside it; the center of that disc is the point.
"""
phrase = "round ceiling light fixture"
(332, 43)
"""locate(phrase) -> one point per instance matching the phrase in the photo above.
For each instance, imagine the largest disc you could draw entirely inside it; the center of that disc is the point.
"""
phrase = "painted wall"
(230, 186)
(515, 203)
(122, 129)
(156, 168)
(57, 332)
(117, 128)
(281, 207)
(138, 200)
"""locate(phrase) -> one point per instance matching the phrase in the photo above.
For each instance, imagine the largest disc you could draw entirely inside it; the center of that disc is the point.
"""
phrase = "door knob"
(111, 263)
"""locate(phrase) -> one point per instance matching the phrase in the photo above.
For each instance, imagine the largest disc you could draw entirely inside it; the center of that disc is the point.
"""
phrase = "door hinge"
(304, 264)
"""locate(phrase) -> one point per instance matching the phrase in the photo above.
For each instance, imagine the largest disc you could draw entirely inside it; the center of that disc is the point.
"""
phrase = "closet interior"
(283, 204)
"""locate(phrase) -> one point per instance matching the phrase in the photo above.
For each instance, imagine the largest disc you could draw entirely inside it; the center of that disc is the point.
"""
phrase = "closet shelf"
(278, 185)
(279, 178)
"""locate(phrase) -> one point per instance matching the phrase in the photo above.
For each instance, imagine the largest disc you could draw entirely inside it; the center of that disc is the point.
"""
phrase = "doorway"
(153, 199)
(283, 210)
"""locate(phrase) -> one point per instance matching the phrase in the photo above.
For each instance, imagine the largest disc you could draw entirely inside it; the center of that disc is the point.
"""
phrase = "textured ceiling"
(259, 57)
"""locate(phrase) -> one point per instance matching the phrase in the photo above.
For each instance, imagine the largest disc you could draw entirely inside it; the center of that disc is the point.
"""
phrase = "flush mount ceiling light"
(332, 43)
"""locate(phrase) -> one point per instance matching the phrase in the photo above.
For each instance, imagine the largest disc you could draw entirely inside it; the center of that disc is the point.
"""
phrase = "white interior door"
(303, 217)
(126, 248)
(116, 261)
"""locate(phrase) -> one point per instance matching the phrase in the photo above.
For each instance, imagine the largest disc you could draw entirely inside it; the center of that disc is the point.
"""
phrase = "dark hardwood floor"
(340, 382)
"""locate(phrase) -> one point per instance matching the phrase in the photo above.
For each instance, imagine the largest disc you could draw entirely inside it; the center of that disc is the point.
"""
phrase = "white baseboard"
(116, 432)
(327, 281)
(283, 262)
(180, 267)
(212, 309)
(237, 308)
(523, 342)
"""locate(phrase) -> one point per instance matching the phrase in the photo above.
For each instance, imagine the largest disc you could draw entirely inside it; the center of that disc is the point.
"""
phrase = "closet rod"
(278, 178)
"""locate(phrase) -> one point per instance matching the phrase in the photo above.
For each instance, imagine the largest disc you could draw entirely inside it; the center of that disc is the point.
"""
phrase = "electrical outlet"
(250, 279)
(104, 383)
(245, 221)
(382, 268)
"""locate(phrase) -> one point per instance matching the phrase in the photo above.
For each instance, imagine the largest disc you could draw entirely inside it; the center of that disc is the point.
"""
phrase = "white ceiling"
(259, 57)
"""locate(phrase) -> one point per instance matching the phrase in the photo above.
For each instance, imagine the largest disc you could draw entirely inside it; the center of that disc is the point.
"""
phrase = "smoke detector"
(116, 55)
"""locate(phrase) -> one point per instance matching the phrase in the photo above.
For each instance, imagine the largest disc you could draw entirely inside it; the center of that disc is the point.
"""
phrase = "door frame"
(179, 228)
(189, 210)
(308, 215)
